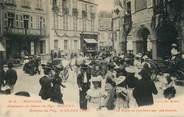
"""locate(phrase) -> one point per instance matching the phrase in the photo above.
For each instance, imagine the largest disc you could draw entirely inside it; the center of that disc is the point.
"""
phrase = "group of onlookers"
(8, 79)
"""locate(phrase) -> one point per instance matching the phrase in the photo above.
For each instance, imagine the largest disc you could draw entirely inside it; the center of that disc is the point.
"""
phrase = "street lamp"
(127, 28)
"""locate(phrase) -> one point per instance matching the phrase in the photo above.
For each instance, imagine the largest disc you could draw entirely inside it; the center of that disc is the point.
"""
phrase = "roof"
(92, 41)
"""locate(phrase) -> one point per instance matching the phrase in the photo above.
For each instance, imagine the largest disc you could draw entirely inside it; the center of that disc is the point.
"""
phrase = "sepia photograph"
(94, 58)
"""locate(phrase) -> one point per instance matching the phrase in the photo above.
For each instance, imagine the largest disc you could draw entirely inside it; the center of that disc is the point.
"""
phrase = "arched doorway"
(166, 36)
(143, 44)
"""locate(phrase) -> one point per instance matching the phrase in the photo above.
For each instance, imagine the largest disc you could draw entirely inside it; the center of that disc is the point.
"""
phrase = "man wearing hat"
(56, 95)
(144, 89)
(177, 61)
(11, 76)
(83, 81)
(45, 82)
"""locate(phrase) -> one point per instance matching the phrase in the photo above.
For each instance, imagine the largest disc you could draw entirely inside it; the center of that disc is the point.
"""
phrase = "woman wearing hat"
(122, 100)
(131, 82)
(95, 93)
(138, 61)
(177, 64)
(45, 82)
(56, 95)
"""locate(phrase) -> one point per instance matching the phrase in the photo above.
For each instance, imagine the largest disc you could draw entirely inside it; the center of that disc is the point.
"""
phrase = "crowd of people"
(106, 80)
(8, 79)
(31, 65)
(111, 81)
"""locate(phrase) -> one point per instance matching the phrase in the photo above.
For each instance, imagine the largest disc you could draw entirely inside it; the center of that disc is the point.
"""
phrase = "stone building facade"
(72, 21)
(117, 26)
(23, 27)
(105, 30)
(156, 25)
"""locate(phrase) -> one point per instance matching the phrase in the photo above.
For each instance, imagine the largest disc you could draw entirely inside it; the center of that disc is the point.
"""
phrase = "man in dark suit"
(2, 75)
(145, 88)
(83, 81)
(11, 77)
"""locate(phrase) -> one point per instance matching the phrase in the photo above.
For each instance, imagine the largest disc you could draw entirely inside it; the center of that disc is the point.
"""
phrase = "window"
(44, 23)
(74, 3)
(31, 22)
(10, 2)
(26, 21)
(84, 10)
(17, 21)
(5, 20)
(21, 21)
(75, 44)
(84, 24)
(65, 22)
(65, 44)
(25, 3)
(11, 20)
(92, 25)
(55, 44)
(75, 23)
(140, 4)
(38, 4)
(65, 7)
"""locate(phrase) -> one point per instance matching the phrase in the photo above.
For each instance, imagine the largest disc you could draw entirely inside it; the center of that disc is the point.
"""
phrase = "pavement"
(31, 84)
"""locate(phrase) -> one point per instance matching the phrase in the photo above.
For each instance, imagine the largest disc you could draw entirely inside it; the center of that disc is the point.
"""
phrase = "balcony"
(22, 31)
(26, 7)
(10, 4)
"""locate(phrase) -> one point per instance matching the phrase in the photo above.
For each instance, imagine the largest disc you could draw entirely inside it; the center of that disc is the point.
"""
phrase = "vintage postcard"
(94, 58)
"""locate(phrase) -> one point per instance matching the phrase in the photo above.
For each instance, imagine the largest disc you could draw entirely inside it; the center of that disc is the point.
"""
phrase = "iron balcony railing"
(22, 31)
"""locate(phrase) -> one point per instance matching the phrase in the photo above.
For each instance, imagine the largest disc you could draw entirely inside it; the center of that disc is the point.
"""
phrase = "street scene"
(102, 55)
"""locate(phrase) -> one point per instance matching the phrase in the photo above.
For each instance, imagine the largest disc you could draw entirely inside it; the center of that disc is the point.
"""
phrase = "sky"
(105, 5)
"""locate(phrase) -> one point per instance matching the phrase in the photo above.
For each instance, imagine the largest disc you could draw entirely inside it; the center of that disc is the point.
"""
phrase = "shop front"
(89, 44)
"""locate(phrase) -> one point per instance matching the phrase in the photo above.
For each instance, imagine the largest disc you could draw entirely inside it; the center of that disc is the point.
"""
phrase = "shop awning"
(2, 48)
(90, 41)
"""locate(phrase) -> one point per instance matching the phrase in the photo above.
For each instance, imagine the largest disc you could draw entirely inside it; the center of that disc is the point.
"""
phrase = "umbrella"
(2, 48)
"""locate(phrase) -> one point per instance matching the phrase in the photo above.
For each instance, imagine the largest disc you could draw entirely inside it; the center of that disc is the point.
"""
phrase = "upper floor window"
(75, 3)
(39, 4)
(140, 5)
(26, 3)
(84, 10)
(10, 2)
(65, 7)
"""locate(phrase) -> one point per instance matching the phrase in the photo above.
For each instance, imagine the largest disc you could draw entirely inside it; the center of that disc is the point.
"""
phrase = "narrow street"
(31, 84)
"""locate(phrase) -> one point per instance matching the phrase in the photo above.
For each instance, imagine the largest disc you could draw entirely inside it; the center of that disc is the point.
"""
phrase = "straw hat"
(139, 55)
(96, 79)
(120, 80)
(173, 45)
(145, 57)
(131, 69)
